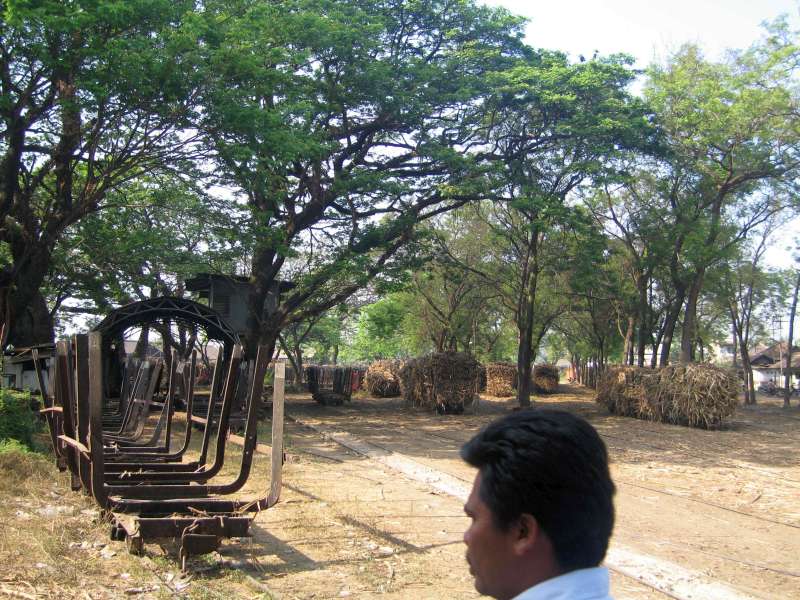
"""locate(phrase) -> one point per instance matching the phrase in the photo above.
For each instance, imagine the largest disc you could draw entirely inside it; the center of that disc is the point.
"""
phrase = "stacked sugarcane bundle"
(446, 382)
(697, 395)
(382, 379)
(545, 379)
(620, 390)
(501, 379)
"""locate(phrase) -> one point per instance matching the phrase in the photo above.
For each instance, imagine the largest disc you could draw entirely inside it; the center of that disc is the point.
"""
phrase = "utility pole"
(777, 323)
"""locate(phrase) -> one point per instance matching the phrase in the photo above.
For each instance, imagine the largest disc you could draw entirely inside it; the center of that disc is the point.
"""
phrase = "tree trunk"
(439, 341)
(524, 357)
(23, 308)
(264, 322)
(741, 339)
(141, 345)
(670, 323)
(641, 285)
(298, 361)
(31, 324)
(656, 345)
(792, 312)
(689, 329)
(750, 391)
(295, 359)
(627, 352)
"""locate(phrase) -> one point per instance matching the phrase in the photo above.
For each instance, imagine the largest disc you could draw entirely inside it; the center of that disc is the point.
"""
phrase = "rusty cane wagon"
(138, 471)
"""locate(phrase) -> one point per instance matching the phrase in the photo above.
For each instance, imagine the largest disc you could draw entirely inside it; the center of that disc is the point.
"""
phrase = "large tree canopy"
(92, 94)
(343, 125)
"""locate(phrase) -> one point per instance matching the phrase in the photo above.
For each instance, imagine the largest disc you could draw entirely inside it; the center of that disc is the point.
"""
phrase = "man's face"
(489, 549)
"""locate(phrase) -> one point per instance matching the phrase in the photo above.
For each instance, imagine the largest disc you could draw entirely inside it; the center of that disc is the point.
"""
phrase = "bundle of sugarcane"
(444, 381)
(545, 379)
(501, 379)
(382, 378)
(620, 390)
(697, 395)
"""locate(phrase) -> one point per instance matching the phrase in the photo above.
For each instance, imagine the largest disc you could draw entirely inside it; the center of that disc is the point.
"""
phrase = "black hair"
(552, 465)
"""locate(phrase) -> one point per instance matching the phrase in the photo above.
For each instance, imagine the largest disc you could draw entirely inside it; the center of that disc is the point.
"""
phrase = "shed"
(228, 295)
(19, 371)
(770, 363)
(772, 354)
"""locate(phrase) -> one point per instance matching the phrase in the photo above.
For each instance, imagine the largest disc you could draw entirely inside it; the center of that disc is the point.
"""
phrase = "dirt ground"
(700, 514)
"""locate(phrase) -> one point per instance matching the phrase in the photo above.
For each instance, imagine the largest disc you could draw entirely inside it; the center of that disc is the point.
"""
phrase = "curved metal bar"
(181, 309)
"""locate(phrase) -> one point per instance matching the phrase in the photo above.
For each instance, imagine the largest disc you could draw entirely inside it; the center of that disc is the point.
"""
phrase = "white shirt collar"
(583, 584)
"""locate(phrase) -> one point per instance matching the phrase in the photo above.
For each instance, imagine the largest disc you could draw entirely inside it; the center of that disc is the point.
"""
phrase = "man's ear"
(527, 532)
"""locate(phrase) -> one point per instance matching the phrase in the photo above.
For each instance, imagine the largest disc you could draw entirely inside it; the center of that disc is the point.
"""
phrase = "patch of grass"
(40, 517)
(19, 464)
(200, 593)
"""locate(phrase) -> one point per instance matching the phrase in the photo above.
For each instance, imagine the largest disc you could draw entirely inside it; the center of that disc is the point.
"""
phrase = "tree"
(742, 287)
(554, 126)
(325, 339)
(322, 334)
(451, 304)
(150, 236)
(342, 125)
(590, 323)
(380, 331)
(733, 135)
(632, 214)
(93, 95)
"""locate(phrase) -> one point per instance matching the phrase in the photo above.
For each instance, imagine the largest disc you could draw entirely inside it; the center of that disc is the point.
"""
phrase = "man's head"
(542, 502)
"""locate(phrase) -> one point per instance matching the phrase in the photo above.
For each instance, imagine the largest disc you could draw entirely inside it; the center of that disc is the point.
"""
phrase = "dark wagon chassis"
(138, 473)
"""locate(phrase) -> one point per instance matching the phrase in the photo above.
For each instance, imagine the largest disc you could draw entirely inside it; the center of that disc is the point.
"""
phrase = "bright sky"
(646, 29)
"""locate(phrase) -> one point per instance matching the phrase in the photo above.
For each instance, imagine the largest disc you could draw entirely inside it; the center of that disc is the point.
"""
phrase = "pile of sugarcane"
(621, 391)
(545, 379)
(697, 395)
(382, 379)
(446, 382)
(501, 379)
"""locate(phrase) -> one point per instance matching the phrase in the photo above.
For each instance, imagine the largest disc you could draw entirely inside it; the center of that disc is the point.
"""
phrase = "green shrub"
(17, 421)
